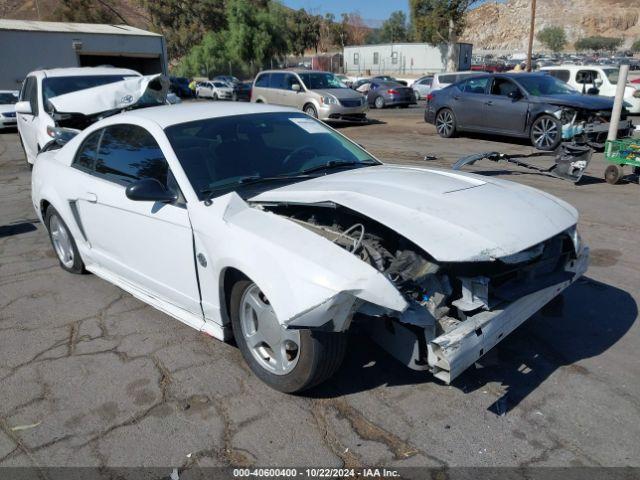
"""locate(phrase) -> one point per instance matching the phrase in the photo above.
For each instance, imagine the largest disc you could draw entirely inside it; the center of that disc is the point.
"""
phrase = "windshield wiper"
(331, 164)
(249, 180)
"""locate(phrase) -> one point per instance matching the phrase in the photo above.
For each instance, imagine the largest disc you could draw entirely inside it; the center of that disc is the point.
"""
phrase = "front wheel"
(613, 173)
(379, 103)
(214, 96)
(286, 360)
(546, 133)
(63, 242)
(311, 111)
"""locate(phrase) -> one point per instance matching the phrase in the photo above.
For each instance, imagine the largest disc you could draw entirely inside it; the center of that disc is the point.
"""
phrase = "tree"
(355, 28)
(635, 48)
(394, 29)
(303, 31)
(184, 23)
(553, 38)
(440, 21)
(256, 35)
(598, 43)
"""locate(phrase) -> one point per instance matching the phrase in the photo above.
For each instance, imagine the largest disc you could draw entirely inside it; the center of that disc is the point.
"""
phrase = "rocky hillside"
(504, 26)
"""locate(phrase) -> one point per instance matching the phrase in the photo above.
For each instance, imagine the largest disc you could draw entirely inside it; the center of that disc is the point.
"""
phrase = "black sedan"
(390, 94)
(533, 105)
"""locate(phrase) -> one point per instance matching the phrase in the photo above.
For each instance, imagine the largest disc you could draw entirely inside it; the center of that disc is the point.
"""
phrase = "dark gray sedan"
(390, 94)
(533, 105)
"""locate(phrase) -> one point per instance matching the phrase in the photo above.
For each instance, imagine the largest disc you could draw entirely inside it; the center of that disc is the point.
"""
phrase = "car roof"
(84, 71)
(577, 67)
(167, 115)
(14, 92)
(292, 70)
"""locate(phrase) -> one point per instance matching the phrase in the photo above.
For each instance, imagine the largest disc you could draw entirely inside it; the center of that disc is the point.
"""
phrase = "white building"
(30, 45)
(402, 59)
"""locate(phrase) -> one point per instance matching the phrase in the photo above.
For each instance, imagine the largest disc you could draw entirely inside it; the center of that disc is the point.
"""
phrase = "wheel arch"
(229, 276)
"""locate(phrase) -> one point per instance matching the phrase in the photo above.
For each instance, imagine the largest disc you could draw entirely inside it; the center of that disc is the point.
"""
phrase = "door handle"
(90, 197)
(489, 103)
(456, 97)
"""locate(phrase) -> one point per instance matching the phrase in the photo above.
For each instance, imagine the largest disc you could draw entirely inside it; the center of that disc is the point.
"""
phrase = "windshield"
(220, 84)
(8, 98)
(545, 85)
(54, 86)
(228, 153)
(321, 81)
(612, 75)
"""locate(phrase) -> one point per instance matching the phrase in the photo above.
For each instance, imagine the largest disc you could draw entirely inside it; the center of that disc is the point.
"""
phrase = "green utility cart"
(619, 153)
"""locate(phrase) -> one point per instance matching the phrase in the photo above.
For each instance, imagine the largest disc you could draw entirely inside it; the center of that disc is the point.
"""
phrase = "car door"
(290, 97)
(147, 244)
(28, 123)
(469, 100)
(502, 113)
(276, 88)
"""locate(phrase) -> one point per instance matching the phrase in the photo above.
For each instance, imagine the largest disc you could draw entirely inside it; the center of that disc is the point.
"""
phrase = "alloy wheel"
(545, 133)
(61, 241)
(275, 348)
(444, 123)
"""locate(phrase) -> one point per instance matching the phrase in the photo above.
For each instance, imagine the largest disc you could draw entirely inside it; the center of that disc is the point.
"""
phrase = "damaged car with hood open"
(262, 224)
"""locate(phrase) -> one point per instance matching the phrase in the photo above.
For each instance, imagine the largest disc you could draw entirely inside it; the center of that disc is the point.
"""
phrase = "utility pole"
(531, 29)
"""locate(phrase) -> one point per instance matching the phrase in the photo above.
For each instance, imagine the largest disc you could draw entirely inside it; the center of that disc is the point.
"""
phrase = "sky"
(374, 12)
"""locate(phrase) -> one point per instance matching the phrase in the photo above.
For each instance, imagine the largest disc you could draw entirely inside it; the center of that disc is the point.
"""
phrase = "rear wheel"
(446, 123)
(286, 360)
(546, 133)
(613, 174)
(63, 242)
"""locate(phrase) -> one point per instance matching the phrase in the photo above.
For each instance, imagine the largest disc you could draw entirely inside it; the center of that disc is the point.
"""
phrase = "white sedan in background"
(262, 223)
(8, 99)
(216, 90)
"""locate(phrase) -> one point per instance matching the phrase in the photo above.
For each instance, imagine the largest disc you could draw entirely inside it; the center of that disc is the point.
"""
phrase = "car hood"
(454, 216)
(146, 90)
(340, 93)
(588, 102)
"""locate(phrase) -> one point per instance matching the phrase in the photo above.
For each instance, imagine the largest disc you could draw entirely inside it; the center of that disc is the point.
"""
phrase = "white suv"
(603, 77)
(34, 111)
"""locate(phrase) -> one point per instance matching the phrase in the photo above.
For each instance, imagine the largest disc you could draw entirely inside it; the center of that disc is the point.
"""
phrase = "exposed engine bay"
(590, 127)
(442, 297)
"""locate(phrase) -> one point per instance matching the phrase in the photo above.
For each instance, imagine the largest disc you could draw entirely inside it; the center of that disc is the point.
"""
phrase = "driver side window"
(503, 87)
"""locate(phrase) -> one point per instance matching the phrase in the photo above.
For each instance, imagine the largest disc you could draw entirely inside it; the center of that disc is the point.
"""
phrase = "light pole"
(532, 28)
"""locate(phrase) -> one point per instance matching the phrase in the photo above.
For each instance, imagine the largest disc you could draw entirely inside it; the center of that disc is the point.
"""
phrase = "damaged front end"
(590, 127)
(456, 312)
(75, 111)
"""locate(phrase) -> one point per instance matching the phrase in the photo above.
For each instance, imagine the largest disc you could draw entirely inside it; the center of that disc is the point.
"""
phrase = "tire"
(311, 111)
(316, 357)
(63, 243)
(379, 103)
(214, 96)
(546, 133)
(445, 123)
(613, 174)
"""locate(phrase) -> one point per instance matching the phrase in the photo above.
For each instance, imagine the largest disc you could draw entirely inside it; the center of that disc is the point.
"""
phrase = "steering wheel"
(297, 152)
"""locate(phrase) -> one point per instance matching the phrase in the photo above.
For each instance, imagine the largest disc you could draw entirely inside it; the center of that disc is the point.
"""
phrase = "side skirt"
(194, 321)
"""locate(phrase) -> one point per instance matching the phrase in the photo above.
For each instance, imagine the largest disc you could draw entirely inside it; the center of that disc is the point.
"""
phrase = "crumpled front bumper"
(452, 353)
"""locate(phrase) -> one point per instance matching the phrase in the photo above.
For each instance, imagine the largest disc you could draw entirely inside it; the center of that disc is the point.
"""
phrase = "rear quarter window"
(563, 75)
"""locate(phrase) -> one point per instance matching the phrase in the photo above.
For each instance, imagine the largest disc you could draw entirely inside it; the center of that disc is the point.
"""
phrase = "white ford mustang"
(261, 223)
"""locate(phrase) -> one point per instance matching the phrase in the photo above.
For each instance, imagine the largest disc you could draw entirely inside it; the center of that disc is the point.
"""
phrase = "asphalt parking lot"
(90, 376)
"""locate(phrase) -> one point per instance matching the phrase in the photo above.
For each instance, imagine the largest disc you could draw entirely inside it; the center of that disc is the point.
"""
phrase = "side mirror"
(24, 107)
(593, 91)
(295, 87)
(149, 190)
(515, 95)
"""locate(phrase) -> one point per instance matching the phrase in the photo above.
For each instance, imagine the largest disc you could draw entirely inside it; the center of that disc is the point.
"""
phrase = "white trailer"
(400, 59)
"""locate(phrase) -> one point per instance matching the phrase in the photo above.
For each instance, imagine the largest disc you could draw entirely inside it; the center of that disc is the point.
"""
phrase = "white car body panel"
(175, 257)
(451, 215)
(8, 109)
(114, 96)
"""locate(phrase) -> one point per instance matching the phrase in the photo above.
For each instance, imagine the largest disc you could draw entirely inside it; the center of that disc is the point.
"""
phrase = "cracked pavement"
(90, 376)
